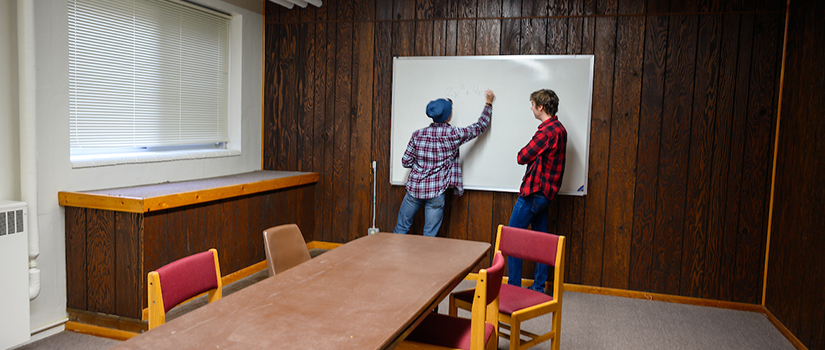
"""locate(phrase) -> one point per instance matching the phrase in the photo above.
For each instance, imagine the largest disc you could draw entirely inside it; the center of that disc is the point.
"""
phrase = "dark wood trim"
(107, 321)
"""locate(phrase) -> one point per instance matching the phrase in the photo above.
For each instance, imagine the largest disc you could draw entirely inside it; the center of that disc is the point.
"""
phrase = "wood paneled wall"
(684, 110)
(795, 291)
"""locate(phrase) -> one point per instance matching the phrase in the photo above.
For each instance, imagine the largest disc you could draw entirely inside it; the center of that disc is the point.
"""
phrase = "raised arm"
(475, 129)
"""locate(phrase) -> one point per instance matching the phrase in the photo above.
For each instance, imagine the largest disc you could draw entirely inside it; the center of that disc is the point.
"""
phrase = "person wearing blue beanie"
(440, 110)
(433, 157)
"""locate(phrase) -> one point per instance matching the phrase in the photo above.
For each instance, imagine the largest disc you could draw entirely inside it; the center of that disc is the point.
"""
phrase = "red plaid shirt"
(544, 156)
(433, 156)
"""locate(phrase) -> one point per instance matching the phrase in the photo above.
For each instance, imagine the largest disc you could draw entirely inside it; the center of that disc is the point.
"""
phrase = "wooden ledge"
(148, 198)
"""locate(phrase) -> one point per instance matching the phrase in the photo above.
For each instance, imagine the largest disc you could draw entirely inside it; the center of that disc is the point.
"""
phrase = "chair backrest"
(485, 302)
(542, 247)
(181, 280)
(285, 247)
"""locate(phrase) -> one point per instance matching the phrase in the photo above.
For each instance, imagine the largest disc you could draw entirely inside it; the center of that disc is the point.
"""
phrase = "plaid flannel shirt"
(433, 156)
(544, 156)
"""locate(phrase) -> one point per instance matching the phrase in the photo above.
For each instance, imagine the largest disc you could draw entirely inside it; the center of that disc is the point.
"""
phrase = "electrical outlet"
(372, 230)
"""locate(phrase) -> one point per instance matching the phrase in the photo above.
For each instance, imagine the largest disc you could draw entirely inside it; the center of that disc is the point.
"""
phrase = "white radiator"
(14, 274)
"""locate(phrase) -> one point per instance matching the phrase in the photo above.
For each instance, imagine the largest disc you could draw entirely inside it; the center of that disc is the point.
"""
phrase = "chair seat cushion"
(447, 331)
(511, 299)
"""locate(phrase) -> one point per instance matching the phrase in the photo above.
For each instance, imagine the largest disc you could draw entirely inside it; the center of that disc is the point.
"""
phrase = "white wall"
(9, 143)
(55, 172)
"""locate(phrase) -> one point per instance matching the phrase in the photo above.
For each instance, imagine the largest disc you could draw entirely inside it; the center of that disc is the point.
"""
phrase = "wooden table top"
(366, 294)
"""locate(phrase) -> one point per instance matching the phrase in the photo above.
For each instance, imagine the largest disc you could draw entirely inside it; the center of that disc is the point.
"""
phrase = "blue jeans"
(530, 210)
(433, 214)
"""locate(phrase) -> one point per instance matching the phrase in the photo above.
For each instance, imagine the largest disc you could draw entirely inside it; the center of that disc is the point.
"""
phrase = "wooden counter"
(168, 195)
(114, 237)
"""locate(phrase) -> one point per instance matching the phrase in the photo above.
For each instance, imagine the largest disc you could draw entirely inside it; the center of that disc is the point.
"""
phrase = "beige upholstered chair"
(285, 247)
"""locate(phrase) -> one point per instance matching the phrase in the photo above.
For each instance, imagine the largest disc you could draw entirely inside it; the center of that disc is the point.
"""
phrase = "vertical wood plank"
(588, 27)
(701, 154)
(271, 96)
(721, 155)
(511, 28)
(306, 218)
(673, 155)
(361, 157)
(325, 92)
(76, 258)
(423, 29)
(100, 259)
(287, 119)
(344, 114)
(466, 28)
(212, 226)
(750, 252)
(130, 279)
(385, 214)
(324, 135)
(647, 163)
(176, 234)
(533, 30)
(305, 73)
(557, 27)
(737, 151)
(259, 221)
(575, 27)
(195, 226)
(599, 143)
(155, 245)
(227, 244)
(574, 244)
(240, 232)
(623, 149)
(488, 31)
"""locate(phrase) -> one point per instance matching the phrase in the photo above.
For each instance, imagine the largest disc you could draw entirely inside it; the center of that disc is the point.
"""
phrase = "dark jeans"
(530, 210)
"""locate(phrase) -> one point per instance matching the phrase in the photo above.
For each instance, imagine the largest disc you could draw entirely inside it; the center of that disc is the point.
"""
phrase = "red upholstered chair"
(439, 331)
(181, 280)
(519, 304)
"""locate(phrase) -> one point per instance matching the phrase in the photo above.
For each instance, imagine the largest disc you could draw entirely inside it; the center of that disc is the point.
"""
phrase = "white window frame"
(165, 154)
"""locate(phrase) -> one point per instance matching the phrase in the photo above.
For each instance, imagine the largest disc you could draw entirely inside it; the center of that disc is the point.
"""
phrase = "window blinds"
(146, 73)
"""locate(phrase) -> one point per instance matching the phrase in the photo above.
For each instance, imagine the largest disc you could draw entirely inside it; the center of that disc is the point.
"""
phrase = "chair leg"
(515, 334)
(556, 330)
(452, 310)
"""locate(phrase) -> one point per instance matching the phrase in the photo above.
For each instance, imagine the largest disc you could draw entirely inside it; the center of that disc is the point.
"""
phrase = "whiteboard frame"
(589, 107)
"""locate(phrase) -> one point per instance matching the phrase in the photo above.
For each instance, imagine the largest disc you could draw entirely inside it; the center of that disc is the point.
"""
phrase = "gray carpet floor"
(594, 322)
(589, 321)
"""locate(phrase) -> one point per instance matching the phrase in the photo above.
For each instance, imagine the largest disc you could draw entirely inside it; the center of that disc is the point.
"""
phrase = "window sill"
(100, 160)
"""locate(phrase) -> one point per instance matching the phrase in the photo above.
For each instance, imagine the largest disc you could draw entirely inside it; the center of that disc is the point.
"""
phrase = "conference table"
(369, 293)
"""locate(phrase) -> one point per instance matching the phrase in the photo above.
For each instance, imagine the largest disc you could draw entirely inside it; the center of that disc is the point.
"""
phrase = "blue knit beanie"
(439, 110)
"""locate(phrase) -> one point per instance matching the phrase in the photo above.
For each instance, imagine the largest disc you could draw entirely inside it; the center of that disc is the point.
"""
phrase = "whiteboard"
(489, 161)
